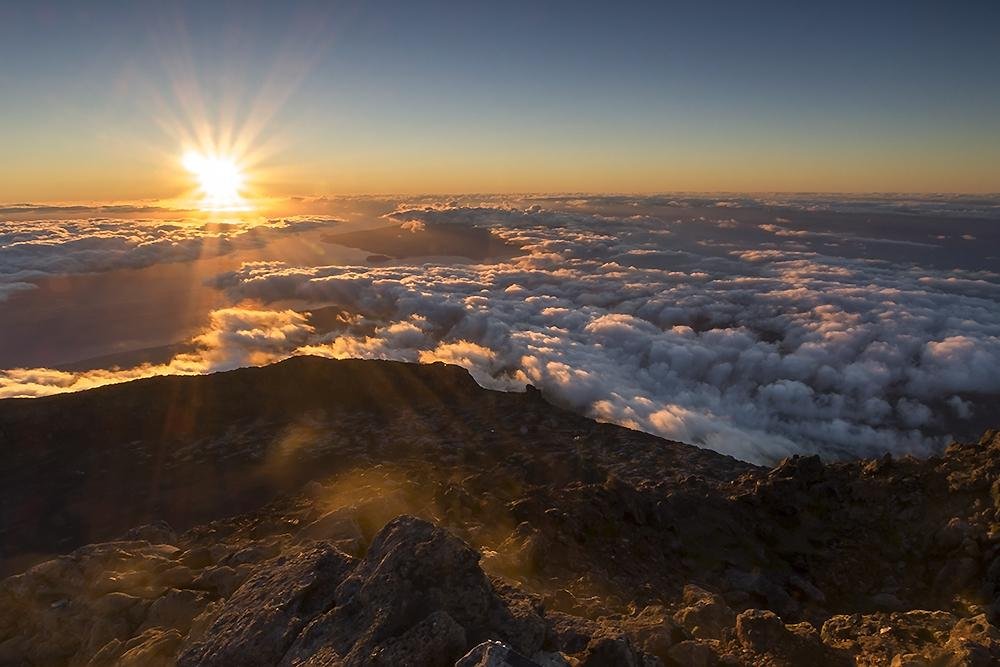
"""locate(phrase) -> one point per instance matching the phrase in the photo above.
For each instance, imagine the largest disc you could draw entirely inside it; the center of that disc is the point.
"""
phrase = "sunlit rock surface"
(325, 513)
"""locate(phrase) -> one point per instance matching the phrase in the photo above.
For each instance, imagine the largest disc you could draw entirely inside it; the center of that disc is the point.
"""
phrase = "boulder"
(258, 623)
(762, 634)
(653, 631)
(760, 630)
(705, 615)
(415, 574)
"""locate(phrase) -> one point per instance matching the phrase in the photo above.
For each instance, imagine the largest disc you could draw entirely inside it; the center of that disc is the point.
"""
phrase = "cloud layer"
(673, 328)
(234, 337)
(34, 249)
(754, 331)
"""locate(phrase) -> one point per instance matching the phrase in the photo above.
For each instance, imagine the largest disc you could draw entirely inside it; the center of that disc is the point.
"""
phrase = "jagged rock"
(153, 648)
(763, 635)
(411, 571)
(978, 628)
(936, 638)
(652, 631)
(570, 634)
(175, 609)
(760, 630)
(520, 616)
(259, 622)
(494, 654)
(432, 642)
(692, 653)
(705, 615)
(610, 650)
(221, 580)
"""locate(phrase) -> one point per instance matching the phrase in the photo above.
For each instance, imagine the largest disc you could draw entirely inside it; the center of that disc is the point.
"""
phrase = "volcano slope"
(320, 512)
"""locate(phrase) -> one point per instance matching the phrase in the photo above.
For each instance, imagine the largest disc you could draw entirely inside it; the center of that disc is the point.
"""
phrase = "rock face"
(258, 622)
(418, 594)
(488, 529)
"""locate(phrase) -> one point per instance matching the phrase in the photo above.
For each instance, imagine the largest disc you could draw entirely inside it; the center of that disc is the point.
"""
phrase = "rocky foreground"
(374, 513)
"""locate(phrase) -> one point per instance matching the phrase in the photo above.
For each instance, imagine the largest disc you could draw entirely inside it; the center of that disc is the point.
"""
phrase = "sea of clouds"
(745, 326)
(32, 248)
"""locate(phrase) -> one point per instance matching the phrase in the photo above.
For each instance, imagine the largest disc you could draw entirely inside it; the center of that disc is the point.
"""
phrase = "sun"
(220, 179)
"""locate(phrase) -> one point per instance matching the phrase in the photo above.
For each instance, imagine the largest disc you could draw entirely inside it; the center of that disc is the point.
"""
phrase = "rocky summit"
(320, 512)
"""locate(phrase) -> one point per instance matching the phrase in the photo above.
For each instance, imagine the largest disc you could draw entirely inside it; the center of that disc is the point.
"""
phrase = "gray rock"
(413, 571)
(265, 615)
(494, 654)
(221, 580)
(432, 642)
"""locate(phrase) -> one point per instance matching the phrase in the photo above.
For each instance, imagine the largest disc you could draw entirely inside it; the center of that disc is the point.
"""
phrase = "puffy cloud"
(654, 314)
(755, 352)
(37, 248)
(235, 337)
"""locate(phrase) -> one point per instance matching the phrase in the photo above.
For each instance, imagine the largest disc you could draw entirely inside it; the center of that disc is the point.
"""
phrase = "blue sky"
(477, 96)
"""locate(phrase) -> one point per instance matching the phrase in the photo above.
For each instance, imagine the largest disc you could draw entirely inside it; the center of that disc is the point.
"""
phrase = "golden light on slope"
(221, 181)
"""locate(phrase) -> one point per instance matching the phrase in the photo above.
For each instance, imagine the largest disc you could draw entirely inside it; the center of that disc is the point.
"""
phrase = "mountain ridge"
(366, 512)
(130, 434)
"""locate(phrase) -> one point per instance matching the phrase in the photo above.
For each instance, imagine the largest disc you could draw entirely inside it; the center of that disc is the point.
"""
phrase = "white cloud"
(698, 329)
(235, 337)
(38, 248)
(753, 352)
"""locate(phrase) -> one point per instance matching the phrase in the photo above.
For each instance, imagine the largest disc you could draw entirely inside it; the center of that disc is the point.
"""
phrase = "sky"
(99, 100)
